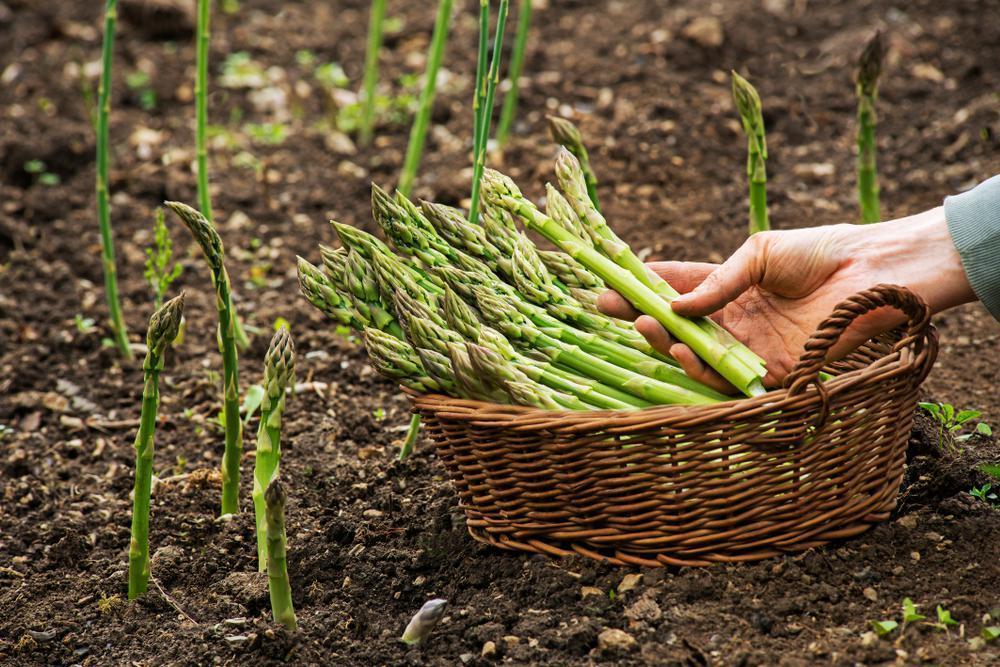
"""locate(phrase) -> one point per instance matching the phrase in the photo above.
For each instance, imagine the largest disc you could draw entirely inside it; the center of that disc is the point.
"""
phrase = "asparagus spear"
(365, 294)
(375, 24)
(117, 321)
(279, 369)
(397, 360)
(514, 74)
(163, 327)
(471, 381)
(568, 136)
(718, 351)
(211, 246)
(334, 263)
(604, 239)
(277, 562)
(484, 112)
(748, 105)
(869, 68)
(316, 287)
(415, 146)
(517, 327)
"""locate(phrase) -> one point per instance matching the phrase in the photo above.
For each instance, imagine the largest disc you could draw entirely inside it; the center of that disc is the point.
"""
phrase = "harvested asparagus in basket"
(473, 309)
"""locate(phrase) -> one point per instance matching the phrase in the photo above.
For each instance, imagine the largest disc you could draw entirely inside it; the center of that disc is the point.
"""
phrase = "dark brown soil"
(370, 538)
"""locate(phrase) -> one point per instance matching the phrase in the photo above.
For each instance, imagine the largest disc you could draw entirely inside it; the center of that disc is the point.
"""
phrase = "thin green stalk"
(567, 135)
(478, 93)
(514, 75)
(718, 352)
(201, 106)
(376, 23)
(412, 435)
(119, 332)
(748, 105)
(163, 327)
(485, 115)
(277, 560)
(869, 68)
(279, 370)
(211, 245)
(418, 132)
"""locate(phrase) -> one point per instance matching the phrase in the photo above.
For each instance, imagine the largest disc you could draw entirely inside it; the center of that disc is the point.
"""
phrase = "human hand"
(774, 291)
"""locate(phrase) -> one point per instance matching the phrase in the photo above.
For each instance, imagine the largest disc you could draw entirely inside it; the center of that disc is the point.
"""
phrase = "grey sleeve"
(974, 224)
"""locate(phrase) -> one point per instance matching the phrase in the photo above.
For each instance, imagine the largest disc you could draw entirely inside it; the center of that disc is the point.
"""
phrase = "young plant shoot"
(869, 68)
(376, 23)
(163, 326)
(279, 370)
(423, 622)
(483, 103)
(568, 136)
(748, 105)
(161, 270)
(277, 562)
(211, 246)
(418, 133)
(509, 110)
(117, 321)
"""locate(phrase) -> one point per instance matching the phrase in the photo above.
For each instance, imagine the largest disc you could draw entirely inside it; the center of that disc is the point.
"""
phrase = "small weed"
(985, 493)
(944, 620)
(379, 414)
(882, 628)
(110, 605)
(160, 267)
(268, 134)
(180, 465)
(910, 614)
(40, 173)
(84, 325)
(951, 422)
(239, 70)
(139, 83)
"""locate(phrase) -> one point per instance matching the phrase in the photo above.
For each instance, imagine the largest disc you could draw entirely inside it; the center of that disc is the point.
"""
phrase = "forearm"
(973, 220)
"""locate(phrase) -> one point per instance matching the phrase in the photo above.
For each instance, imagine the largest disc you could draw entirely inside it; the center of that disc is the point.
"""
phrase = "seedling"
(118, 331)
(882, 628)
(266, 134)
(139, 83)
(40, 173)
(991, 633)
(944, 619)
(84, 325)
(951, 422)
(163, 326)
(910, 614)
(161, 271)
(985, 493)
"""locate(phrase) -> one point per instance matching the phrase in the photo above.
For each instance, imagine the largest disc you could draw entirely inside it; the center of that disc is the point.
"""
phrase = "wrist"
(917, 252)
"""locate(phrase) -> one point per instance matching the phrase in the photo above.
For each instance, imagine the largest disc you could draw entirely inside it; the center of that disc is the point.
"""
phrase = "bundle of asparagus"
(475, 310)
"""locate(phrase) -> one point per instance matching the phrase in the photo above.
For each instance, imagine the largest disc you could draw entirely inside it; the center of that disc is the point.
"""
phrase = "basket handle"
(918, 315)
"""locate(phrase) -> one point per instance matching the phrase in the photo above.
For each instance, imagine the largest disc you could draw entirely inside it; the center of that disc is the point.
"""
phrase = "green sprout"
(882, 628)
(748, 105)
(139, 83)
(985, 493)
(910, 614)
(161, 271)
(40, 173)
(84, 325)
(951, 422)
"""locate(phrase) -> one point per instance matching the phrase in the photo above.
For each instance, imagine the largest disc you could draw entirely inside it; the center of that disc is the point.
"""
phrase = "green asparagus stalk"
(318, 290)
(376, 22)
(365, 294)
(568, 136)
(869, 68)
(438, 368)
(748, 105)
(279, 369)
(517, 327)
(450, 224)
(472, 382)
(163, 327)
(570, 272)
(607, 242)
(415, 146)
(509, 109)
(277, 561)
(117, 322)
(484, 114)
(718, 351)
(397, 360)
(334, 263)
(211, 246)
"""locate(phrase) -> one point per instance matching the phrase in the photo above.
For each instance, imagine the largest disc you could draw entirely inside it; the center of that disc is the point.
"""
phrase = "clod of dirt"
(246, 588)
(614, 639)
(160, 19)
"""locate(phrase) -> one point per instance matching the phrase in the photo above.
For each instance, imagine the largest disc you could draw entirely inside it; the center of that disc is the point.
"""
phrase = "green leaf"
(252, 401)
(944, 616)
(932, 408)
(966, 415)
(982, 428)
(910, 614)
(882, 628)
(991, 469)
(991, 632)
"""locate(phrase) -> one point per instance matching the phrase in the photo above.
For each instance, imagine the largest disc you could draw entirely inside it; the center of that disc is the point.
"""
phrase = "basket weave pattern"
(692, 485)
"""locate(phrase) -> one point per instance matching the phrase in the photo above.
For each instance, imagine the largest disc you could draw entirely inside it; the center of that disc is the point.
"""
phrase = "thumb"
(726, 283)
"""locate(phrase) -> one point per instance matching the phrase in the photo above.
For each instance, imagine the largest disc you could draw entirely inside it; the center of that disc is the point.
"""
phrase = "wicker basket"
(679, 485)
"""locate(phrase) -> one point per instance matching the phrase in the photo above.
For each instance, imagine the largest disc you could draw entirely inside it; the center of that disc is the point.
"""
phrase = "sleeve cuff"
(973, 219)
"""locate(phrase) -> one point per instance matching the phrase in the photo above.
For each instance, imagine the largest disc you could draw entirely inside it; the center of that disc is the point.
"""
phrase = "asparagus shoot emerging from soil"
(484, 98)
(279, 369)
(277, 565)
(418, 132)
(869, 68)
(201, 105)
(748, 105)
(423, 622)
(375, 25)
(568, 136)
(211, 245)
(509, 109)
(163, 326)
(117, 321)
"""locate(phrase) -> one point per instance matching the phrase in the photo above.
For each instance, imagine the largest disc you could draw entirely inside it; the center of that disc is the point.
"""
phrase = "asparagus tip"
(870, 64)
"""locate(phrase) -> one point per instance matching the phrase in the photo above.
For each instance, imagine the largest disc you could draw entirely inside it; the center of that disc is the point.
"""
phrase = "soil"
(370, 538)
